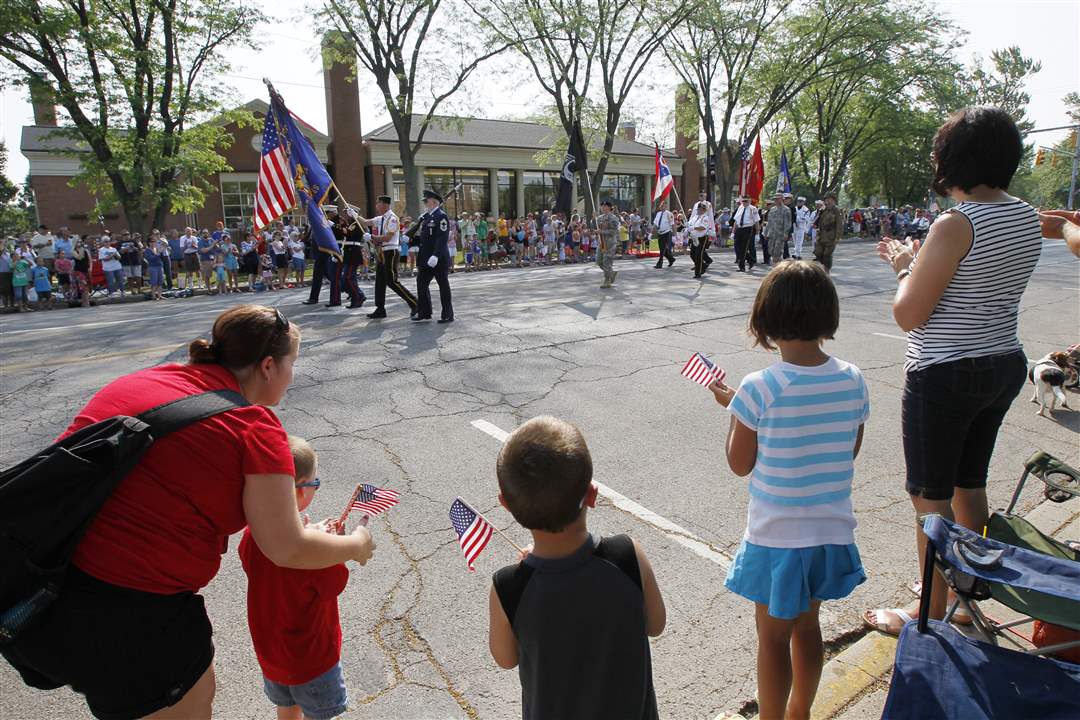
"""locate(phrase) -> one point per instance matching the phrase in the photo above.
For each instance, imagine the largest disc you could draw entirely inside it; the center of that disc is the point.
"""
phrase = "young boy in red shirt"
(293, 618)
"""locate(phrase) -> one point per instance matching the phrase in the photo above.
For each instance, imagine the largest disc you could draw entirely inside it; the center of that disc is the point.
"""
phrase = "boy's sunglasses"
(309, 484)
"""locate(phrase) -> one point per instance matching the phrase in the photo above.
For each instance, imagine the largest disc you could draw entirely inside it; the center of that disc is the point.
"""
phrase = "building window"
(541, 189)
(627, 192)
(473, 196)
(237, 203)
(238, 208)
(507, 194)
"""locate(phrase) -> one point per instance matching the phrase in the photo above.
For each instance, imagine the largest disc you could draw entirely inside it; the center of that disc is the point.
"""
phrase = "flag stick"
(493, 527)
(348, 507)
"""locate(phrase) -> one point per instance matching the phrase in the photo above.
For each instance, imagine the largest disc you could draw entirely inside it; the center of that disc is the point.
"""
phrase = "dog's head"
(1061, 359)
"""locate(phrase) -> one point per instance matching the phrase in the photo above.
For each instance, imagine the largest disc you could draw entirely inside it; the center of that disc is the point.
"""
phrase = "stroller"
(940, 673)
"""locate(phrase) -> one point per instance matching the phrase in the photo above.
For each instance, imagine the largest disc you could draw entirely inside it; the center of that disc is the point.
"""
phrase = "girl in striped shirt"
(796, 427)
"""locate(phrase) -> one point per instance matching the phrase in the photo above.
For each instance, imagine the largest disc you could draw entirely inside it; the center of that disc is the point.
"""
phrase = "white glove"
(367, 237)
(352, 213)
(432, 261)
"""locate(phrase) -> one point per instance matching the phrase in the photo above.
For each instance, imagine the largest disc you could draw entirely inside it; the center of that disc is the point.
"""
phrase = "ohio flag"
(664, 181)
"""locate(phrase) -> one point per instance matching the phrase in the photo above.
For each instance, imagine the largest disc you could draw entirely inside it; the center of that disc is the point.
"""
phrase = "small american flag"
(374, 500)
(699, 369)
(274, 192)
(472, 529)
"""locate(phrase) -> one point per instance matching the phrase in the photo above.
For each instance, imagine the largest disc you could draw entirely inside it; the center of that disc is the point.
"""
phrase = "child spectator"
(267, 264)
(64, 266)
(219, 268)
(452, 243)
(232, 264)
(572, 598)
(42, 285)
(155, 268)
(293, 617)
(797, 427)
(20, 280)
(299, 260)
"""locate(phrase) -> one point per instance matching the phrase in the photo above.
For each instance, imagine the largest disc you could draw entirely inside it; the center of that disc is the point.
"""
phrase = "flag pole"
(348, 507)
(493, 527)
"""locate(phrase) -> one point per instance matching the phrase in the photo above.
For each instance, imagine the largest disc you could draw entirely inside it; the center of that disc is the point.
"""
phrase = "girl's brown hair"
(244, 335)
(796, 301)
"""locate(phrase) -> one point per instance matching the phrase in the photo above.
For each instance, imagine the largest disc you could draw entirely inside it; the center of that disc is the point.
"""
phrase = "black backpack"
(48, 501)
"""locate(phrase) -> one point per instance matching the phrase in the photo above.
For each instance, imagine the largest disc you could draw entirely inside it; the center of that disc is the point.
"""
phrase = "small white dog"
(1048, 376)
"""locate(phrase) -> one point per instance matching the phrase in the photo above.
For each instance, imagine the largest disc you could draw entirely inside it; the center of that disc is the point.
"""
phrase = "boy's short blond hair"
(544, 471)
(303, 456)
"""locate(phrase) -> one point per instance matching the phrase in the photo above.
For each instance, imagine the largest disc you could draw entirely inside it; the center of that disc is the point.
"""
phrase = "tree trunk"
(408, 167)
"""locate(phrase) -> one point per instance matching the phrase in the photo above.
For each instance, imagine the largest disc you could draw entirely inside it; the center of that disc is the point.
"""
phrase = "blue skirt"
(787, 579)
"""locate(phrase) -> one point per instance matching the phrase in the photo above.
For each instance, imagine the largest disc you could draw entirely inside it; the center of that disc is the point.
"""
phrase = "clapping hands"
(898, 254)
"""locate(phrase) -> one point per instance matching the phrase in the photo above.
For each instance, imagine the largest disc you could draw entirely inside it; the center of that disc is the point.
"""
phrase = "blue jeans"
(115, 280)
(320, 699)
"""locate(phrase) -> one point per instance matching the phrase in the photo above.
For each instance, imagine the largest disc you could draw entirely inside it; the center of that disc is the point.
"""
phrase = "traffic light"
(1040, 156)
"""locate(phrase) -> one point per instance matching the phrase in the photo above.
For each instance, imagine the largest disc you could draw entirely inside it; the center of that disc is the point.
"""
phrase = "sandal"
(879, 619)
(960, 617)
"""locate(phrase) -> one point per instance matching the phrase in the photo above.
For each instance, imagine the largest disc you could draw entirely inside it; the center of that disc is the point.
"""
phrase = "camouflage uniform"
(830, 223)
(608, 225)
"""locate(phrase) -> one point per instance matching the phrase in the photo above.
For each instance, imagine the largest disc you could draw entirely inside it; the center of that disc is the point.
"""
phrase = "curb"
(852, 673)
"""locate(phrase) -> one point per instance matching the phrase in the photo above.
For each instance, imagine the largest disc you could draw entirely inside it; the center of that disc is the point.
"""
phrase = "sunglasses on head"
(314, 483)
(281, 325)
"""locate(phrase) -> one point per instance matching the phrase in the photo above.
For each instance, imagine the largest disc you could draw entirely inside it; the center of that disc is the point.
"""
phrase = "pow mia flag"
(564, 203)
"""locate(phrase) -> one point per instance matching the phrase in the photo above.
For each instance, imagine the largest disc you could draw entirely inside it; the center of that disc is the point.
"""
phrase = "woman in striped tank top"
(958, 298)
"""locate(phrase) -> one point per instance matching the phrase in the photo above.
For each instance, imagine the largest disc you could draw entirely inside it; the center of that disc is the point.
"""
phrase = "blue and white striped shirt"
(806, 420)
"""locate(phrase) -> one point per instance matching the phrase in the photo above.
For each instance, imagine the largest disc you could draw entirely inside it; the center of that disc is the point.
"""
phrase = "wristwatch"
(902, 274)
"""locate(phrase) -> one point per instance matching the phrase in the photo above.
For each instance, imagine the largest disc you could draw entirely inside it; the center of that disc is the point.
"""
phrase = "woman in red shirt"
(130, 630)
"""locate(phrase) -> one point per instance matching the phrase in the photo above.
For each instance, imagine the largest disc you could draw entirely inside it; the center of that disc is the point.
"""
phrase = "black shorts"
(950, 415)
(129, 652)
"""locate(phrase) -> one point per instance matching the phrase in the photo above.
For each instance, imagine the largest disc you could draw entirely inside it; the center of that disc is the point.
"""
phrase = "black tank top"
(580, 626)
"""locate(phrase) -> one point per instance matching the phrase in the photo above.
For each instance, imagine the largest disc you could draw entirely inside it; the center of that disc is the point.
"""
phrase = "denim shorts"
(950, 414)
(320, 699)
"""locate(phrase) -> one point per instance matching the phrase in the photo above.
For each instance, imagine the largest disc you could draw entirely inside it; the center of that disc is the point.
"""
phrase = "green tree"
(137, 83)
(411, 47)
(876, 80)
(17, 213)
(585, 55)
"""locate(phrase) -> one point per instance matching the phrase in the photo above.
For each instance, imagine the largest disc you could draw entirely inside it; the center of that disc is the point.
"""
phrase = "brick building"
(494, 160)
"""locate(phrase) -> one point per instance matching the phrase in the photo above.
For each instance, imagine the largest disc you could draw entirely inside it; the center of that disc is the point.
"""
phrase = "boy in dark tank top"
(576, 614)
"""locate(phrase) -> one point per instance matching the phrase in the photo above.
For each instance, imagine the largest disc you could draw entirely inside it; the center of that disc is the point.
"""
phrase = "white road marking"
(674, 531)
(894, 337)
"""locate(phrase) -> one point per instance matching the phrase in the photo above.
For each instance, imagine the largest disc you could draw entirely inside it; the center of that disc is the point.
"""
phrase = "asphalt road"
(398, 404)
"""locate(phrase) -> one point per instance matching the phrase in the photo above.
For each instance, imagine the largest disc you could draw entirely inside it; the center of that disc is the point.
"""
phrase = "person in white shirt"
(386, 239)
(745, 220)
(110, 264)
(701, 229)
(663, 223)
(189, 244)
(802, 224)
(42, 243)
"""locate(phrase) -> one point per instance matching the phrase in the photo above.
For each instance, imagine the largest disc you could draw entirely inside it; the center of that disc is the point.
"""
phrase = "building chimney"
(44, 101)
(628, 130)
(687, 131)
(346, 152)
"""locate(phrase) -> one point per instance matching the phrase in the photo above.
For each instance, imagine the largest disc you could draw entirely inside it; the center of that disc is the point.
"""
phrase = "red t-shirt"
(292, 615)
(165, 526)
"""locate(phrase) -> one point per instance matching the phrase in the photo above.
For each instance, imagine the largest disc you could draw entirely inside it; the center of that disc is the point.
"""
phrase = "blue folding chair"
(940, 673)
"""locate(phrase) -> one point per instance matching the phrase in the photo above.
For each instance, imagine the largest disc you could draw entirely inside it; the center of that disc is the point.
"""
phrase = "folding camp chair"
(940, 673)
(1062, 482)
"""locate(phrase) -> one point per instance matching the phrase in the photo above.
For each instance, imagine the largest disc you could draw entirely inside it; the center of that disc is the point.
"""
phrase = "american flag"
(699, 369)
(274, 193)
(374, 500)
(472, 529)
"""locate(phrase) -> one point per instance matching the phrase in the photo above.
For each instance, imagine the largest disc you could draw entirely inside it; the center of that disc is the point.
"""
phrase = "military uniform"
(386, 258)
(326, 267)
(830, 222)
(433, 238)
(608, 226)
(352, 251)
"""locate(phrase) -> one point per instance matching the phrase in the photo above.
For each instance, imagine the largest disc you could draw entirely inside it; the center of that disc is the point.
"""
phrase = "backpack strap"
(619, 551)
(176, 414)
(510, 585)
